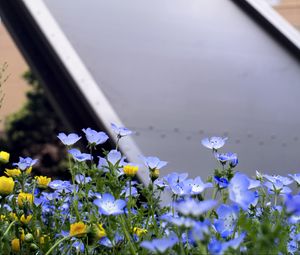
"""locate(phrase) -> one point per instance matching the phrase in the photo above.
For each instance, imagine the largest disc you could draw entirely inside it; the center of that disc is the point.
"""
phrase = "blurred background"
(30, 121)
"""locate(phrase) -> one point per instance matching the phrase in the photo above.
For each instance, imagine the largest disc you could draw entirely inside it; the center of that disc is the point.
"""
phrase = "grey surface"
(177, 71)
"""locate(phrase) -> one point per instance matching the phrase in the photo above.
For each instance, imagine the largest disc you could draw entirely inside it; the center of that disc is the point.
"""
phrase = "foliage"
(31, 131)
(104, 210)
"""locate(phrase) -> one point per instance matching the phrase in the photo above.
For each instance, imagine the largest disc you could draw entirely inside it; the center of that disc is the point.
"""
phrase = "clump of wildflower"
(42, 181)
(130, 170)
(12, 172)
(78, 229)
(24, 198)
(7, 185)
(4, 157)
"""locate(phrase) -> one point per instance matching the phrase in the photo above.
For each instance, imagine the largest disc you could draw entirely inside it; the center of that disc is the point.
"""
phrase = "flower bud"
(7, 185)
(28, 238)
(15, 245)
(4, 157)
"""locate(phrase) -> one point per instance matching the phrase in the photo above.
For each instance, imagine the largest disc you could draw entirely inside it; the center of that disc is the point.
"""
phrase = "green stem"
(56, 244)
(127, 235)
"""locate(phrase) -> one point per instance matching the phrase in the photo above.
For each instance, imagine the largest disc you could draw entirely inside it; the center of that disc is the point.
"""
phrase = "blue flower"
(221, 182)
(199, 230)
(120, 131)
(296, 178)
(214, 142)
(215, 247)
(61, 186)
(109, 206)
(77, 155)
(95, 137)
(277, 187)
(275, 178)
(81, 179)
(154, 163)
(192, 207)
(227, 217)
(25, 163)
(114, 157)
(239, 191)
(181, 188)
(160, 245)
(178, 221)
(68, 139)
(198, 186)
(225, 157)
(292, 204)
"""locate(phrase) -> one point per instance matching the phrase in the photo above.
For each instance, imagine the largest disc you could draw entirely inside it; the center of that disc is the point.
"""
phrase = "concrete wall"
(15, 88)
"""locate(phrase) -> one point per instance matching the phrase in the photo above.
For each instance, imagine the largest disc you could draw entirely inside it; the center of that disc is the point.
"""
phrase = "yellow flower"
(78, 229)
(100, 231)
(130, 170)
(139, 231)
(13, 216)
(42, 181)
(15, 245)
(44, 239)
(25, 198)
(2, 217)
(4, 157)
(7, 185)
(28, 170)
(25, 219)
(12, 172)
(22, 234)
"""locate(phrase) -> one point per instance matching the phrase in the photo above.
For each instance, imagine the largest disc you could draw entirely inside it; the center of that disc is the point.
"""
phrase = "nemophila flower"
(61, 186)
(129, 192)
(78, 229)
(78, 156)
(130, 170)
(178, 221)
(42, 181)
(160, 183)
(109, 206)
(174, 178)
(25, 163)
(68, 139)
(81, 179)
(94, 137)
(292, 204)
(25, 198)
(296, 178)
(199, 230)
(277, 187)
(239, 191)
(111, 243)
(194, 208)
(180, 188)
(221, 182)
(102, 164)
(227, 157)
(12, 172)
(274, 178)
(160, 245)
(227, 217)
(4, 157)
(214, 142)
(198, 186)
(154, 163)
(120, 131)
(7, 185)
(114, 157)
